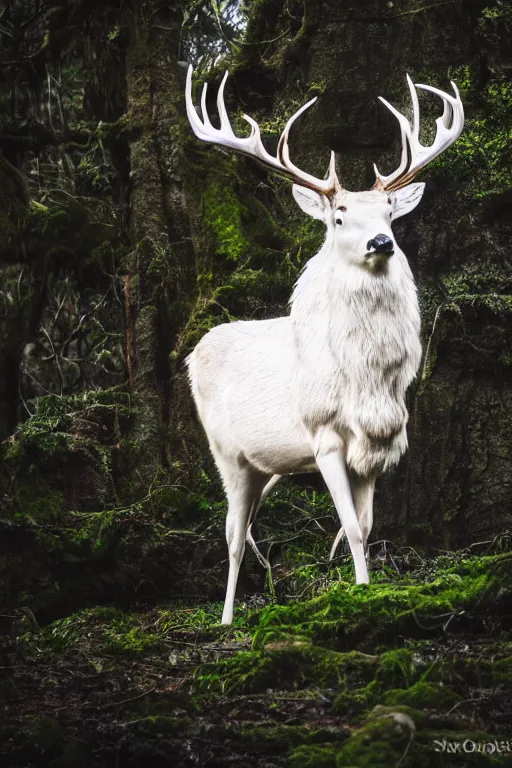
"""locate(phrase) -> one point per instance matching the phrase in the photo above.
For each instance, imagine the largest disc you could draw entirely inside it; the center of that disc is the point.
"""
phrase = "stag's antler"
(252, 145)
(414, 155)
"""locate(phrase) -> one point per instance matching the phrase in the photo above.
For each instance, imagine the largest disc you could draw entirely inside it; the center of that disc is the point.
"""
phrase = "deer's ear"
(311, 202)
(406, 199)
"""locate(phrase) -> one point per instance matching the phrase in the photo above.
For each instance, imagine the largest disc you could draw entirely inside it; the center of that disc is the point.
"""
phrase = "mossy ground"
(392, 673)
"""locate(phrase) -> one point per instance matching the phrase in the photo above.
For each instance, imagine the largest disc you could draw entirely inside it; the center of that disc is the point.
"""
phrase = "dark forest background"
(123, 239)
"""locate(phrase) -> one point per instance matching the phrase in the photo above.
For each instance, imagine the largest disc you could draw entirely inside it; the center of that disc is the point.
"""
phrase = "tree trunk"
(160, 270)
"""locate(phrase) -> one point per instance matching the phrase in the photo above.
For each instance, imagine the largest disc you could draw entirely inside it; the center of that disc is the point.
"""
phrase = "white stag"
(324, 388)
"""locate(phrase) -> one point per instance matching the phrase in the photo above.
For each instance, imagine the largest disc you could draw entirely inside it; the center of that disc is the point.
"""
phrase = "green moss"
(43, 459)
(480, 157)
(287, 664)
(501, 10)
(44, 219)
(400, 678)
(467, 289)
(403, 735)
(112, 630)
(108, 630)
(395, 704)
(223, 214)
(52, 429)
(129, 642)
(465, 295)
(397, 667)
(397, 676)
(198, 620)
(353, 703)
(473, 672)
(423, 695)
(363, 615)
(313, 757)
(505, 360)
(162, 725)
(280, 738)
(424, 676)
(247, 671)
(380, 743)
(41, 504)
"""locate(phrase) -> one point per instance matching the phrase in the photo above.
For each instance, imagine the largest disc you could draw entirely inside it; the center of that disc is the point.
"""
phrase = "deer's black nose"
(381, 244)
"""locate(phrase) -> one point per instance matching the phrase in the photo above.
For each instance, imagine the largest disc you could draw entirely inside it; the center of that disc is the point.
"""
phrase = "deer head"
(358, 223)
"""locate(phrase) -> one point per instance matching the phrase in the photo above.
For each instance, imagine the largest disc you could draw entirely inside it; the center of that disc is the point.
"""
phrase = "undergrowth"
(375, 674)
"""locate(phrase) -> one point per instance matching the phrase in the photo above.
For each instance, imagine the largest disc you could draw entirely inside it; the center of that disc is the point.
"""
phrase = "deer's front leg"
(329, 455)
(363, 489)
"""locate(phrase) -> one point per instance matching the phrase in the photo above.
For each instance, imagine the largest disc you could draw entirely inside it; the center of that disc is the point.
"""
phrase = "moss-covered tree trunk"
(159, 271)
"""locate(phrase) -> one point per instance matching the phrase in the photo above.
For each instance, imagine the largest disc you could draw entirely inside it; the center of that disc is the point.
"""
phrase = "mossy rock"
(423, 695)
(290, 664)
(476, 672)
(402, 735)
(313, 757)
(380, 743)
(398, 668)
(346, 615)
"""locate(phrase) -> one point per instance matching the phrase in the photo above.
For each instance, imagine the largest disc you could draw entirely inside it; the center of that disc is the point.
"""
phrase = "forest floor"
(412, 670)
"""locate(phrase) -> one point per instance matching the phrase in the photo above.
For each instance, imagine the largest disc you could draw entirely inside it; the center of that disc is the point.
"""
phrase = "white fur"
(324, 388)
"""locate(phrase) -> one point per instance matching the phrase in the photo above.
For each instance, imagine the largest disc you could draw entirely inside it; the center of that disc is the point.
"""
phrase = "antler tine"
(225, 125)
(414, 155)
(405, 131)
(252, 144)
(452, 107)
(206, 119)
(329, 185)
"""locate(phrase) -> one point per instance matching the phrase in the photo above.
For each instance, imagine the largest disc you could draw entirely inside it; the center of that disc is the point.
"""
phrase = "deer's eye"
(337, 218)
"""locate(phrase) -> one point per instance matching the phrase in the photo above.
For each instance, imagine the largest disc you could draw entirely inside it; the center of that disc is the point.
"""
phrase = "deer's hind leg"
(248, 536)
(244, 485)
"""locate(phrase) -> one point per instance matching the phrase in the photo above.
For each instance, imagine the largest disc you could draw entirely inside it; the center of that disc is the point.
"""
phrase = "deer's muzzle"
(380, 244)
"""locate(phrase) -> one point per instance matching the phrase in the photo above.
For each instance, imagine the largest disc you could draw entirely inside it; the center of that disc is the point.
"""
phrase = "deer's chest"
(353, 373)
